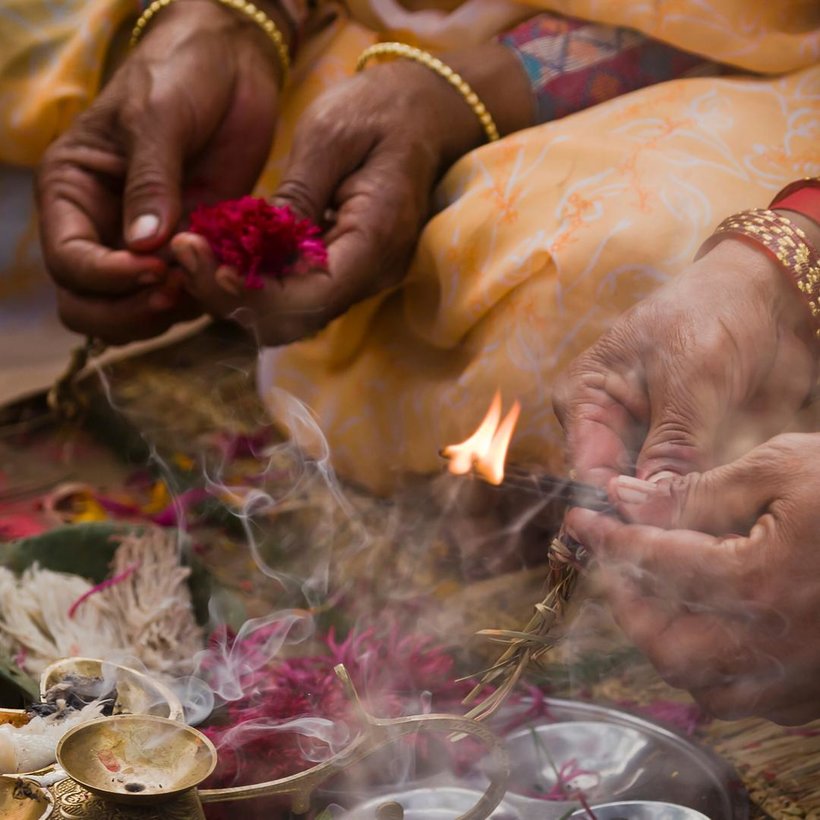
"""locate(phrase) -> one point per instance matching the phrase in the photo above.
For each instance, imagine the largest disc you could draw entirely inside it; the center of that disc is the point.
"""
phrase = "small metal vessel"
(640, 810)
(137, 759)
(612, 755)
(137, 694)
(431, 803)
(22, 800)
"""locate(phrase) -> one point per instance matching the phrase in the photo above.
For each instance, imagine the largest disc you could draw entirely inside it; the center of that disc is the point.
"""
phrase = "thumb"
(723, 501)
(152, 198)
(681, 433)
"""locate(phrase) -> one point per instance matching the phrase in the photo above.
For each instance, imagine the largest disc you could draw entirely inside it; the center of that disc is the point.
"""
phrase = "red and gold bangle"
(802, 197)
(786, 242)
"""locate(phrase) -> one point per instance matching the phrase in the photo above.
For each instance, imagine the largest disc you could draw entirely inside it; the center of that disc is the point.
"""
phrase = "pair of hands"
(714, 568)
(188, 118)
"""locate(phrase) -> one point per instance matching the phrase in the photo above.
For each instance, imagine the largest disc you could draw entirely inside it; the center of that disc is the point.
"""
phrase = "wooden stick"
(550, 487)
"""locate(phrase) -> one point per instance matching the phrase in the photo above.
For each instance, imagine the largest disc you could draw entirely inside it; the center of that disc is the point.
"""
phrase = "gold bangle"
(786, 242)
(440, 68)
(243, 6)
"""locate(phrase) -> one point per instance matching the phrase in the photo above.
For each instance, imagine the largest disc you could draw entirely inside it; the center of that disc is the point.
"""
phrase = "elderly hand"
(370, 151)
(712, 364)
(730, 617)
(189, 116)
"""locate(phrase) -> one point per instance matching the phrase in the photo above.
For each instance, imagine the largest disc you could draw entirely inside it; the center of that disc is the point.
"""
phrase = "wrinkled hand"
(732, 618)
(369, 151)
(188, 117)
(712, 364)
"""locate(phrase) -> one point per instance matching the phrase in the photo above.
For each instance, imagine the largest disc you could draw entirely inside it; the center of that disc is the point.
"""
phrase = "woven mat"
(417, 562)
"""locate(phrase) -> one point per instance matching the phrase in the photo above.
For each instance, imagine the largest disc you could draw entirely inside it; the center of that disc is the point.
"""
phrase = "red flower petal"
(258, 239)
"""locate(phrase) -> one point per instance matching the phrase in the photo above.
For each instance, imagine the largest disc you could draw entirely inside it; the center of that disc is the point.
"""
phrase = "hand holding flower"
(368, 152)
(188, 117)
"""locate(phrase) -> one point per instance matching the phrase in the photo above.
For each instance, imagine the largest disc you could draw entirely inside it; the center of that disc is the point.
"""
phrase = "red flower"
(259, 239)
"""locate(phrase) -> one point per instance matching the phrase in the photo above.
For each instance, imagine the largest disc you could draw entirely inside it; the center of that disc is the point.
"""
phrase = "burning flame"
(486, 449)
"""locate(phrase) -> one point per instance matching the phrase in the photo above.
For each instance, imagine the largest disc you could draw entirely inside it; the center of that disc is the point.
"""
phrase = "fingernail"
(187, 258)
(148, 278)
(663, 475)
(631, 490)
(143, 227)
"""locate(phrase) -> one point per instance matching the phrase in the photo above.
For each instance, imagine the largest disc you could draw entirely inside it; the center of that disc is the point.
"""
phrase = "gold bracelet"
(243, 6)
(440, 68)
(788, 244)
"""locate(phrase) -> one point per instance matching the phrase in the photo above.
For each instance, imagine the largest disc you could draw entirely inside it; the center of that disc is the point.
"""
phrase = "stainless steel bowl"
(615, 756)
(445, 803)
(640, 810)
(601, 760)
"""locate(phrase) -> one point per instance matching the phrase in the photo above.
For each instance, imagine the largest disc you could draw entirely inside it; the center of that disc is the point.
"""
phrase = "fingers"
(685, 566)
(285, 310)
(728, 499)
(600, 403)
(688, 393)
(681, 434)
(689, 650)
(75, 210)
(152, 197)
(597, 428)
(317, 165)
(125, 319)
(379, 213)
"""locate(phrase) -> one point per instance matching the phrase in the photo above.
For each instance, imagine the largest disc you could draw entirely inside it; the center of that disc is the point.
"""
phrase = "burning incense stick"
(483, 454)
(554, 488)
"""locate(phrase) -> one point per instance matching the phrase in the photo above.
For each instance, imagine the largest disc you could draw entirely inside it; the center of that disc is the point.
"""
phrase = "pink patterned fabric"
(573, 64)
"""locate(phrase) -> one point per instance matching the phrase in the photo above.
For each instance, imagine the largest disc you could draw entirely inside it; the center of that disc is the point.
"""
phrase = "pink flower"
(259, 239)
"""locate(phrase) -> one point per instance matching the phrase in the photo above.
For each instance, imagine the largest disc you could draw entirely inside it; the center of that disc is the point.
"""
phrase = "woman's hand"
(188, 117)
(368, 151)
(732, 618)
(712, 364)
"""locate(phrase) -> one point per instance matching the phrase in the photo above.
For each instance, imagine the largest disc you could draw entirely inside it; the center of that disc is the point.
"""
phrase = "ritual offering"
(260, 240)
(33, 746)
(76, 691)
(483, 455)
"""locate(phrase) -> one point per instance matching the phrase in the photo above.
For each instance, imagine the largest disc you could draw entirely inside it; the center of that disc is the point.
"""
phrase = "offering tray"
(616, 758)
(141, 765)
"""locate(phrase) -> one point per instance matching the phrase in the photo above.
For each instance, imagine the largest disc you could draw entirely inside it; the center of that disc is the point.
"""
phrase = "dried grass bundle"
(531, 644)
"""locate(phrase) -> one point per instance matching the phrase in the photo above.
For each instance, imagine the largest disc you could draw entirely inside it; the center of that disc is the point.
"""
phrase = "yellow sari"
(538, 241)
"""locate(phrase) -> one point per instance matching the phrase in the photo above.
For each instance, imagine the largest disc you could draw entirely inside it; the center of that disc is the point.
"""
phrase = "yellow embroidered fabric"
(539, 240)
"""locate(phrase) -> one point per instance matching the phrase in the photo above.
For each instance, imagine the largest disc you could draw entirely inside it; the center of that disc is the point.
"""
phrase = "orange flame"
(486, 449)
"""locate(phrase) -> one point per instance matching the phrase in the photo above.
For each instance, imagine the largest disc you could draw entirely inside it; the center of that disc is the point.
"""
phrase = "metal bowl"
(23, 800)
(598, 759)
(640, 810)
(137, 694)
(442, 803)
(137, 759)
(615, 756)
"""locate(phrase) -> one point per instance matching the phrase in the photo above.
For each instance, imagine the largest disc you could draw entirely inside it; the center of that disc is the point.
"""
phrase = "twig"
(536, 639)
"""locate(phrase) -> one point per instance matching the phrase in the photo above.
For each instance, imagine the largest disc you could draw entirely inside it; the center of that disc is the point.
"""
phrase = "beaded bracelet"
(244, 7)
(440, 68)
(786, 242)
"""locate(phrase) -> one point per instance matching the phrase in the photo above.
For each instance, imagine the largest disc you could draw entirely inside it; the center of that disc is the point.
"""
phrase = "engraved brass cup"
(143, 760)
(136, 759)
